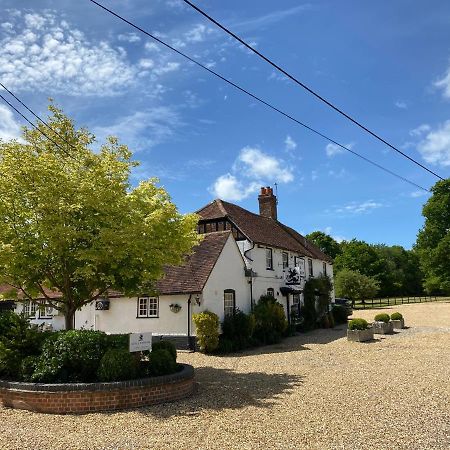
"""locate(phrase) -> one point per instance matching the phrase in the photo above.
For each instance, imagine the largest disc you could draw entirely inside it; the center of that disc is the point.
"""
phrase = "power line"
(255, 97)
(307, 88)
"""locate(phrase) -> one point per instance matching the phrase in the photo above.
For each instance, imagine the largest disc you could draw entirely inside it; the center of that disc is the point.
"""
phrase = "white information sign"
(140, 342)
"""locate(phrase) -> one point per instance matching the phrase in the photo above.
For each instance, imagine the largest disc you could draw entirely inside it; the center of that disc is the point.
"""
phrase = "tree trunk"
(69, 318)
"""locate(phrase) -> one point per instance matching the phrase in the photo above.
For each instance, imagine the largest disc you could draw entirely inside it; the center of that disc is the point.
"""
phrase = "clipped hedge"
(358, 324)
(162, 362)
(166, 345)
(340, 313)
(396, 316)
(383, 317)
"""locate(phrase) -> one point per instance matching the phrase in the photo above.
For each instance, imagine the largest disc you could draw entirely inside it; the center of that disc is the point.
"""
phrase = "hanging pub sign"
(293, 276)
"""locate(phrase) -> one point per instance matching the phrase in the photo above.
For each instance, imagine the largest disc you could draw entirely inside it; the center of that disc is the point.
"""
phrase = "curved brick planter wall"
(90, 397)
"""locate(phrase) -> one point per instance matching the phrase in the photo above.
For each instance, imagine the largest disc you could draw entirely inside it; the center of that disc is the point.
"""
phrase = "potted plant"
(397, 321)
(382, 324)
(359, 331)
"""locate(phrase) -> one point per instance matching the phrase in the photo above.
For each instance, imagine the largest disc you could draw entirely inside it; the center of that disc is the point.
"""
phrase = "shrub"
(238, 328)
(119, 341)
(317, 298)
(382, 318)
(358, 324)
(74, 356)
(117, 364)
(340, 313)
(161, 362)
(270, 321)
(166, 345)
(17, 341)
(207, 324)
(27, 367)
(225, 345)
(396, 316)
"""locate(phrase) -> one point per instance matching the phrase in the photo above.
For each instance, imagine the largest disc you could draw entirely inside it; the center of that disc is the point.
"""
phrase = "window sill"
(147, 317)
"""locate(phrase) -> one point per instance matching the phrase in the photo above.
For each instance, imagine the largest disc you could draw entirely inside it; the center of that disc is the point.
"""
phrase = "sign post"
(140, 342)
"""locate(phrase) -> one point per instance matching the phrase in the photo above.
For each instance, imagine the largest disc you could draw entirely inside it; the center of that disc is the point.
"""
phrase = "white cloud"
(198, 33)
(228, 187)
(129, 37)
(359, 207)
(9, 128)
(314, 175)
(435, 147)
(342, 173)
(253, 168)
(143, 129)
(290, 144)
(333, 149)
(167, 68)
(416, 194)
(444, 84)
(152, 47)
(421, 129)
(146, 63)
(401, 105)
(253, 163)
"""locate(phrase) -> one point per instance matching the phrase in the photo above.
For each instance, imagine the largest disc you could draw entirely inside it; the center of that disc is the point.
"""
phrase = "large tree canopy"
(433, 240)
(72, 222)
(325, 242)
(355, 286)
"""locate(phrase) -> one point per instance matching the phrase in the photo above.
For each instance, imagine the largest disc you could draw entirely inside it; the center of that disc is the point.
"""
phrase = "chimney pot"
(267, 203)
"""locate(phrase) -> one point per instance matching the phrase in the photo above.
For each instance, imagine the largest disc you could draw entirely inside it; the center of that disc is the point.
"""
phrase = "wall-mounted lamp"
(197, 300)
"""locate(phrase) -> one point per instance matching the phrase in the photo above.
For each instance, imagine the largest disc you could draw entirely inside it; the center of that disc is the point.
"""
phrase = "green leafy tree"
(72, 221)
(355, 286)
(433, 240)
(325, 242)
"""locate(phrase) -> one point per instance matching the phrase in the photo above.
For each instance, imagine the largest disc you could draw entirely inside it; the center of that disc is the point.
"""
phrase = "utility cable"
(307, 88)
(255, 97)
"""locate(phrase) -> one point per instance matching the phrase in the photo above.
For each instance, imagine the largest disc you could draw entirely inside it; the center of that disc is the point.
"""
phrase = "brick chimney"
(267, 203)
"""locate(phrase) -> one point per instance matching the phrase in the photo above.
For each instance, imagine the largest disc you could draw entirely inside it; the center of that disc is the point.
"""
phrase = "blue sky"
(386, 63)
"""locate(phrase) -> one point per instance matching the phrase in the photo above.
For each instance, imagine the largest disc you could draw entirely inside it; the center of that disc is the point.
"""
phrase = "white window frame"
(45, 311)
(30, 309)
(285, 259)
(269, 258)
(271, 292)
(229, 302)
(147, 307)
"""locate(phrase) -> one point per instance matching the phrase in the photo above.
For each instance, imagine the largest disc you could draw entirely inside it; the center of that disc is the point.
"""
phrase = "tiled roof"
(262, 230)
(193, 275)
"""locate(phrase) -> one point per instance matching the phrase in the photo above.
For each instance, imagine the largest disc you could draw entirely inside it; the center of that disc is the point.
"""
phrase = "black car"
(344, 302)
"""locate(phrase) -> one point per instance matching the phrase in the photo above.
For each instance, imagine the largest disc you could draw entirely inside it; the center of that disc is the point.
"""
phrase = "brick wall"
(90, 397)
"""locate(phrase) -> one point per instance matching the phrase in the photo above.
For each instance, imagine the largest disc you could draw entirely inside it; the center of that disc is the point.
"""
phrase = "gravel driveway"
(313, 391)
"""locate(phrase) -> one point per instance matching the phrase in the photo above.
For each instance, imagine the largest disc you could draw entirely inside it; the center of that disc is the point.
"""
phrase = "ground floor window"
(270, 292)
(30, 308)
(45, 311)
(148, 307)
(229, 301)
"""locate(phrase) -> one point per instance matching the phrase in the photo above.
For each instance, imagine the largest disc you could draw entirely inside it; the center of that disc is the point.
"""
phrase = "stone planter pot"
(383, 328)
(360, 335)
(398, 324)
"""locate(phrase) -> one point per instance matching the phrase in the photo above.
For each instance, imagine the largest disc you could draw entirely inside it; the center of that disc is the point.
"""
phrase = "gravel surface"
(313, 391)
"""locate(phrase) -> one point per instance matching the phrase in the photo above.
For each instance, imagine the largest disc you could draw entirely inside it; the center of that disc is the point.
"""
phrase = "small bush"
(225, 345)
(74, 356)
(270, 321)
(28, 366)
(382, 318)
(238, 328)
(161, 362)
(166, 345)
(358, 324)
(396, 316)
(117, 365)
(207, 324)
(120, 341)
(340, 313)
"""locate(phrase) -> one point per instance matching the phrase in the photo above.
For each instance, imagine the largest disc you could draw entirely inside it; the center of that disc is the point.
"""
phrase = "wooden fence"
(391, 301)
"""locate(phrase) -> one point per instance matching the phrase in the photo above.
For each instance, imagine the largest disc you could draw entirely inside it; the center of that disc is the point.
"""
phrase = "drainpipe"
(189, 322)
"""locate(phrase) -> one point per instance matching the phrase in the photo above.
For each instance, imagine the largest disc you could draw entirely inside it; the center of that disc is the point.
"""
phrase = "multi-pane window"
(310, 268)
(296, 299)
(148, 307)
(285, 260)
(296, 261)
(269, 259)
(45, 311)
(270, 292)
(30, 308)
(324, 268)
(229, 302)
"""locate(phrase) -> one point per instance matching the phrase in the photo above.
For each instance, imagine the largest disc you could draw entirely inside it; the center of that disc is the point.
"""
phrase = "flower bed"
(80, 398)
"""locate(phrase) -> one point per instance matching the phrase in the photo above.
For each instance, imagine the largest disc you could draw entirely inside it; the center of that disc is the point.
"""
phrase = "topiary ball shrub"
(117, 364)
(396, 316)
(358, 324)
(161, 363)
(340, 313)
(382, 318)
(166, 345)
